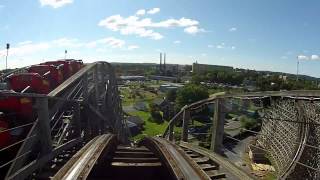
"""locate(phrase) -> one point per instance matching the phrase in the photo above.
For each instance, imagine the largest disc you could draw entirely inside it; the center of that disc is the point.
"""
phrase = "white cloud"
(112, 42)
(233, 47)
(203, 54)
(31, 48)
(130, 25)
(26, 49)
(303, 57)
(312, 57)
(182, 22)
(233, 29)
(2, 6)
(284, 57)
(144, 27)
(27, 52)
(315, 57)
(177, 42)
(220, 46)
(141, 12)
(132, 47)
(55, 3)
(25, 42)
(193, 30)
(210, 46)
(154, 11)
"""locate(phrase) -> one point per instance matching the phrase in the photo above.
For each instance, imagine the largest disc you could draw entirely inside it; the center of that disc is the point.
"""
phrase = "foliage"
(150, 128)
(156, 117)
(171, 95)
(264, 81)
(155, 113)
(190, 94)
(248, 123)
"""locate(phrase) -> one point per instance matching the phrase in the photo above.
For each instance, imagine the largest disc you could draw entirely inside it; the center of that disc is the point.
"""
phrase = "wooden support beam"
(218, 126)
(77, 119)
(185, 125)
(85, 87)
(96, 85)
(171, 128)
(44, 125)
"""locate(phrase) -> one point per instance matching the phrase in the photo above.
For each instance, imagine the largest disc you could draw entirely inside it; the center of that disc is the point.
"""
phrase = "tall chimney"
(164, 63)
(160, 62)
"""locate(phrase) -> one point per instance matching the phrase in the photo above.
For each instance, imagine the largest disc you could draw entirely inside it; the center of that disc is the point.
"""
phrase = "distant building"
(202, 68)
(166, 107)
(122, 79)
(133, 78)
(167, 87)
(163, 78)
(283, 77)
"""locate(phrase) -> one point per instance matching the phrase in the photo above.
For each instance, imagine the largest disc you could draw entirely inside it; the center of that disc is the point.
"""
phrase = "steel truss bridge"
(80, 133)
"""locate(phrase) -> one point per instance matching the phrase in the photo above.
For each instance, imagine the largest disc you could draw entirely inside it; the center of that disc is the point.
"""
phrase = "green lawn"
(150, 128)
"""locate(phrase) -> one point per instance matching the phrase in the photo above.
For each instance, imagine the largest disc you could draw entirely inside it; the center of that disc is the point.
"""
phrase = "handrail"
(179, 164)
(172, 121)
(81, 164)
(87, 81)
(305, 132)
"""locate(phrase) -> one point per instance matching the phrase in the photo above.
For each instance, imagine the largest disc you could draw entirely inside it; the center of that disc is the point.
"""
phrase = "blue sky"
(261, 35)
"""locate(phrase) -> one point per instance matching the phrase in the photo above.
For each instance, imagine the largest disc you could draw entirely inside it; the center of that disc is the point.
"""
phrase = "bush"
(156, 117)
(171, 95)
(190, 94)
(155, 113)
(247, 123)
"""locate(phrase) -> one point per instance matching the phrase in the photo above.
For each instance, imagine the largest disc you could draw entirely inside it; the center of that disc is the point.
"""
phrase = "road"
(236, 152)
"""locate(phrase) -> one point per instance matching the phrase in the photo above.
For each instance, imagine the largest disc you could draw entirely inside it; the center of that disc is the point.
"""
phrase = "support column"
(76, 119)
(171, 128)
(85, 87)
(85, 118)
(97, 122)
(44, 132)
(218, 126)
(96, 85)
(185, 125)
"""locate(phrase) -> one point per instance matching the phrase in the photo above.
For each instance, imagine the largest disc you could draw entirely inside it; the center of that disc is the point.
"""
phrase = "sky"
(261, 35)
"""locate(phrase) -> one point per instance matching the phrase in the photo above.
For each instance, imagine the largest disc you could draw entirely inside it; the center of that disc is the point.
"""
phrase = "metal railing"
(63, 120)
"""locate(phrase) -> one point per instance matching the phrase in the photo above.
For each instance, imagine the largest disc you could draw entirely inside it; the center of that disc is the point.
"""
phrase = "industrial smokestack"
(160, 61)
(164, 63)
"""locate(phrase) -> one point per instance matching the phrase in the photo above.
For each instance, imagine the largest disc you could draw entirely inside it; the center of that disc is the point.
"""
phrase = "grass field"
(150, 128)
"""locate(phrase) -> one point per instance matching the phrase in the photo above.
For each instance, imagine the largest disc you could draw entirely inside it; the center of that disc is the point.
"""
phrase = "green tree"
(190, 94)
(171, 95)
(155, 114)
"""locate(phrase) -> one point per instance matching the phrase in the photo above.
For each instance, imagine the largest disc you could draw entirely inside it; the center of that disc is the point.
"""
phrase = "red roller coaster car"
(28, 82)
(76, 64)
(65, 65)
(51, 73)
